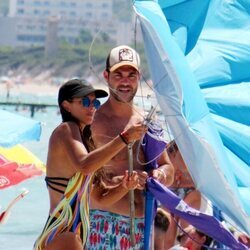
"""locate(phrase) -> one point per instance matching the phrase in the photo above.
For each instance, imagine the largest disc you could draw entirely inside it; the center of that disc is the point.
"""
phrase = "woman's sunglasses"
(86, 102)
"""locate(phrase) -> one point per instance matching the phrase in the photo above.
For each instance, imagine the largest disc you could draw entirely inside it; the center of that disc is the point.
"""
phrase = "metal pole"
(131, 197)
(149, 202)
(131, 192)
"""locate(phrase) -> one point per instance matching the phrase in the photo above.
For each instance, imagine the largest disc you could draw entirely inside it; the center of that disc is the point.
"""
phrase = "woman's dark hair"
(66, 116)
(161, 220)
(87, 138)
(172, 147)
(208, 241)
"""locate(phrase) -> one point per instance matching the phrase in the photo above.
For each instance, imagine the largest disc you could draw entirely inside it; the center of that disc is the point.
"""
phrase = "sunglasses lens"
(96, 104)
(85, 102)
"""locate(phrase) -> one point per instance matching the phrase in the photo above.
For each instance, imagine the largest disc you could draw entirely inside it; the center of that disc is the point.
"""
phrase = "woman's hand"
(133, 133)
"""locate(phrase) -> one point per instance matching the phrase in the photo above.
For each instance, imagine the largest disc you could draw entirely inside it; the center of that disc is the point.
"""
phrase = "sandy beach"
(29, 88)
(41, 88)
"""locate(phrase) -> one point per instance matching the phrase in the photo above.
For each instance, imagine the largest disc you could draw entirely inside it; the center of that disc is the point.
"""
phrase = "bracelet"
(123, 138)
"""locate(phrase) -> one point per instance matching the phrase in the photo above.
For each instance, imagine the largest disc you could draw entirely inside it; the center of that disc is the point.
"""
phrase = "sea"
(29, 215)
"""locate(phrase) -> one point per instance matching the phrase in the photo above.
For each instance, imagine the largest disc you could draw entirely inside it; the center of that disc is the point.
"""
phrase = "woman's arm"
(85, 162)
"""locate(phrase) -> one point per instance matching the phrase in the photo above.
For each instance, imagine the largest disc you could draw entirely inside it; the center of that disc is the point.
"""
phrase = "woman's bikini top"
(56, 182)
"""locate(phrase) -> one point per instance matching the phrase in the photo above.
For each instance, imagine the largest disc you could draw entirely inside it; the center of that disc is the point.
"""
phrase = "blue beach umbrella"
(201, 82)
(15, 129)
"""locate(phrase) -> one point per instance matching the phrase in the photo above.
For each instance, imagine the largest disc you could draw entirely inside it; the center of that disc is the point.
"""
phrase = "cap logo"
(126, 55)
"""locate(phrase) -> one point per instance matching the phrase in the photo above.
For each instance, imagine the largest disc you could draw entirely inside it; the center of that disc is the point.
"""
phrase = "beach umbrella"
(15, 129)
(18, 164)
(201, 83)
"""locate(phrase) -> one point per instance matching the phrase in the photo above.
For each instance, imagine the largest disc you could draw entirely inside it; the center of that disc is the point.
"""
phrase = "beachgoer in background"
(193, 239)
(110, 223)
(243, 238)
(70, 166)
(161, 224)
(183, 187)
(8, 85)
(240, 236)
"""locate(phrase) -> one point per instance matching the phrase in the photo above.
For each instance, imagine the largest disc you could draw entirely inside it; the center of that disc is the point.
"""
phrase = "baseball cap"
(122, 55)
(78, 88)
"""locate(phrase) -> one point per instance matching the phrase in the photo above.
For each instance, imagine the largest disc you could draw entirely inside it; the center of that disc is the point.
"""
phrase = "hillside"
(70, 61)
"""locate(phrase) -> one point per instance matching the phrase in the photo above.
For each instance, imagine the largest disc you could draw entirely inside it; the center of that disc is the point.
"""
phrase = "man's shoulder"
(102, 114)
(100, 127)
(100, 122)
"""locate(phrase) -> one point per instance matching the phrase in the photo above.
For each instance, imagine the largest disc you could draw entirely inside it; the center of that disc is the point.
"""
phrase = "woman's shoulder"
(64, 129)
(66, 126)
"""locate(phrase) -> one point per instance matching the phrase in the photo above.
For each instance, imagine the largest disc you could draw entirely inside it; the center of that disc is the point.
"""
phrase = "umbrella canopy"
(202, 87)
(18, 164)
(15, 129)
(204, 222)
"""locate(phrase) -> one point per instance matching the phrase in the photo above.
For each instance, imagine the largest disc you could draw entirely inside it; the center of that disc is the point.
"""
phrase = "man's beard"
(119, 98)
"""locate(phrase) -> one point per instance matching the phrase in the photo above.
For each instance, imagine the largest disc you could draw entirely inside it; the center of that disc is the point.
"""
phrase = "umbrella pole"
(131, 192)
(131, 197)
(149, 202)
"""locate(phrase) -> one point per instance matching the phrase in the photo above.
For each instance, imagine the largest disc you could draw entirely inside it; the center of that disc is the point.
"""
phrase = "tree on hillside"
(85, 36)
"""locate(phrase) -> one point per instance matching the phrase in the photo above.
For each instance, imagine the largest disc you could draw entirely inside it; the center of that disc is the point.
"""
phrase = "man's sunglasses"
(86, 102)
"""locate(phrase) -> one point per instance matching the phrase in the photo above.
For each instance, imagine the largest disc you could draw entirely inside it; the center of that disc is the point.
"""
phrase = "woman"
(70, 166)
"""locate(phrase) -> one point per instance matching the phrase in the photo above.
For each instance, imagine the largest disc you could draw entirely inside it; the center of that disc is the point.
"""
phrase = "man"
(110, 220)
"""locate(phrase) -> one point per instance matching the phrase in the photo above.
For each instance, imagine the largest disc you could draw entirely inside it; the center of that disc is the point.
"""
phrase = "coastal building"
(29, 21)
